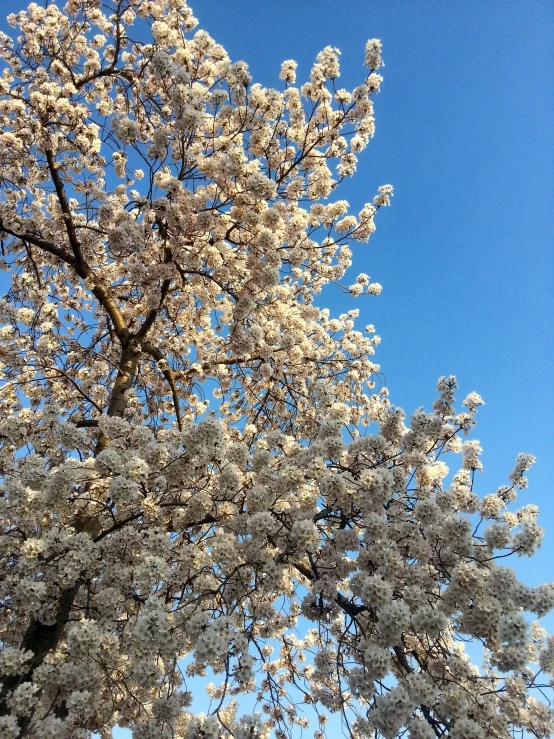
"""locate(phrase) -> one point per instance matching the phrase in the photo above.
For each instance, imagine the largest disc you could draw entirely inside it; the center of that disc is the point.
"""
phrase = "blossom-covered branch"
(195, 458)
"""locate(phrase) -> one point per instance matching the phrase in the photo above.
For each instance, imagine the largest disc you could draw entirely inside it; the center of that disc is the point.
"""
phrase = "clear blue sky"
(464, 132)
(465, 135)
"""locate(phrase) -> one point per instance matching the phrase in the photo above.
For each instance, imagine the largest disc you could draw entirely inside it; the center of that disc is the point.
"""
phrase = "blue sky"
(464, 133)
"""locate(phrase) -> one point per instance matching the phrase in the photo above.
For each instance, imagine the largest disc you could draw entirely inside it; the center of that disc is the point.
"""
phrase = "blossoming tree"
(168, 226)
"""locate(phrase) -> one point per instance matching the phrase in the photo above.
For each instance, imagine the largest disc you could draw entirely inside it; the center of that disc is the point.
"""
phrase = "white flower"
(288, 71)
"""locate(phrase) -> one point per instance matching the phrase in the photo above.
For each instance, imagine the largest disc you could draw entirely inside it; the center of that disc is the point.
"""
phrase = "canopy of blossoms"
(198, 470)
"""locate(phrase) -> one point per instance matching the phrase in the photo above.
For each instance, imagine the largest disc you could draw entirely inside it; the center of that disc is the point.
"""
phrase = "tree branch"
(169, 375)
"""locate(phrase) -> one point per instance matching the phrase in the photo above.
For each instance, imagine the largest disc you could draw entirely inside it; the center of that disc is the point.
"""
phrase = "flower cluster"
(193, 455)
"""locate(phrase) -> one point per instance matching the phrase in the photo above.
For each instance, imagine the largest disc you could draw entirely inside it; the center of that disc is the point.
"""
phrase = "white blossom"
(198, 471)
